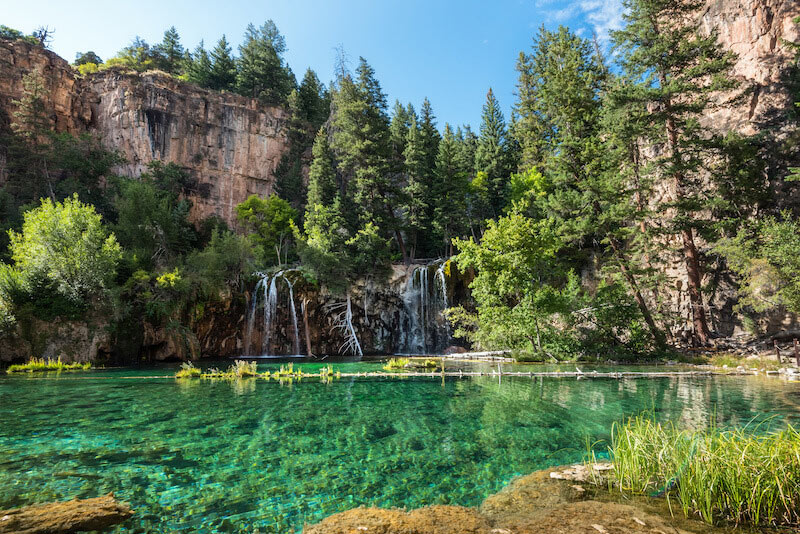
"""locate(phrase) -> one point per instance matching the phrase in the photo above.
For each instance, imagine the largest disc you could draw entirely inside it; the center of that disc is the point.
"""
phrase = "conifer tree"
(491, 156)
(398, 131)
(679, 71)
(416, 190)
(430, 135)
(223, 69)
(170, 52)
(361, 145)
(198, 67)
(322, 185)
(450, 218)
(262, 72)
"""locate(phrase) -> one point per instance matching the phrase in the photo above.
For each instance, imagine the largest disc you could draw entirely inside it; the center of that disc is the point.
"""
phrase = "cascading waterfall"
(425, 330)
(267, 286)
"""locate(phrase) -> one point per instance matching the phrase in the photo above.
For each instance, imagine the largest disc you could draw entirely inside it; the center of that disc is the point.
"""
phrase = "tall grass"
(188, 370)
(395, 364)
(737, 475)
(39, 365)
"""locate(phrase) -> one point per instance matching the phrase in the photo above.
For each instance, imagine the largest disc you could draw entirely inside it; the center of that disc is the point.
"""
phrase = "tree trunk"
(305, 325)
(658, 335)
(701, 333)
(402, 245)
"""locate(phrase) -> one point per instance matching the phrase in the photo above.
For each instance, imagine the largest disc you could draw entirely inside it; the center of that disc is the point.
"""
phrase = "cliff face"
(229, 144)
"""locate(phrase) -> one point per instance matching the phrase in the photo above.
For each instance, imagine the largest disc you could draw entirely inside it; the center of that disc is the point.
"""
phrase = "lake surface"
(201, 456)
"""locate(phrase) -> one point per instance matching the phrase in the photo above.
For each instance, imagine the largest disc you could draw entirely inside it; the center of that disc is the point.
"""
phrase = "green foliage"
(67, 245)
(12, 35)
(84, 58)
(766, 256)
(269, 223)
(197, 69)
(262, 72)
(222, 76)
(492, 155)
(396, 364)
(188, 370)
(137, 56)
(39, 365)
(742, 476)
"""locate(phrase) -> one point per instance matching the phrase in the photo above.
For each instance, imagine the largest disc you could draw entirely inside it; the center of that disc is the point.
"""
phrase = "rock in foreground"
(64, 517)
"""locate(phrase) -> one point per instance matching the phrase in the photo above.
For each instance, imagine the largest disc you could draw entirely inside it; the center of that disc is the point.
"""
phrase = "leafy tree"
(322, 245)
(67, 245)
(269, 222)
(765, 254)
(82, 58)
(136, 56)
(222, 265)
(678, 70)
(170, 52)
(153, 221)
(12, 35)
(262, 72)
(198, 67)
(491, 156)
(222, 76)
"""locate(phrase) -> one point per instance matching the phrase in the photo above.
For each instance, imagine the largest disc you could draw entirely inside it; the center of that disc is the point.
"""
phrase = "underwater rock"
(428, 520)
(64, 517)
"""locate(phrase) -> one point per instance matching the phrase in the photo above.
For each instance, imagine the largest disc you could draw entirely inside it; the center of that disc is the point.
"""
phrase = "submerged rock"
(539, 503)
(64, 517)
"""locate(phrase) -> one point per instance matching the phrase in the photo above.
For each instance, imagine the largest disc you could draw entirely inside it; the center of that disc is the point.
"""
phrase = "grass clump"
(735, 475)
(39, 365)
(188, 370)
(395, 364)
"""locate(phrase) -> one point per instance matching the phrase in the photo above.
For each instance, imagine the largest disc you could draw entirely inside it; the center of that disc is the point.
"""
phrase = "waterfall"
(267, 288)
(424, 328)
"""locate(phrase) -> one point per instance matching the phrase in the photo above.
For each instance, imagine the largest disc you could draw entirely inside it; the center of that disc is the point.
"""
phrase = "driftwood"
(66, 516)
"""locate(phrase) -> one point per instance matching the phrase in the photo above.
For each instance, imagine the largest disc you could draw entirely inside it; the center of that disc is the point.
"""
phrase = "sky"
(447, 50)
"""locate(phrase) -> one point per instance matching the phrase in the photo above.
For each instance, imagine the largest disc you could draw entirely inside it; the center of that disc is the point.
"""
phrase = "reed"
(396, 363)
(742, 476)
(39, 365)
(188, 370)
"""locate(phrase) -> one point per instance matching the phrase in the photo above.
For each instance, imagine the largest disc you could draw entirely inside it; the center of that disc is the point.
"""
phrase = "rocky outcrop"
(756, 31)
(229, 144)
(85, 340)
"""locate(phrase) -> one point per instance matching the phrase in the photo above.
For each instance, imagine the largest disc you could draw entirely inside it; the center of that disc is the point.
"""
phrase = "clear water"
(194, 456)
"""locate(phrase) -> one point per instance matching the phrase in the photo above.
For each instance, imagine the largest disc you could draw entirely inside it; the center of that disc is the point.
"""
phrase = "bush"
(66, 245)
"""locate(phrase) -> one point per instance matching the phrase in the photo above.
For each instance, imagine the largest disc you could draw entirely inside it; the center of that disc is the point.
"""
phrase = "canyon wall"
(229, 144)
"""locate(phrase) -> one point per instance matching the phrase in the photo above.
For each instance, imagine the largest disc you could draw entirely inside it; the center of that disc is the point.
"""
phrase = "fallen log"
(65, 517)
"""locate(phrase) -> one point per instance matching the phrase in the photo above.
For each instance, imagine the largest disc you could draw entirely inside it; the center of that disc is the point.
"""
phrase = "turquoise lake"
(201, 456)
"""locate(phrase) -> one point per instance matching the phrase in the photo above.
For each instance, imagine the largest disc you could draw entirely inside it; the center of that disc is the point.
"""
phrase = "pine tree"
(198, 67)
(430, 135)
(361, 145)
(313, 100)
(451, 188)
(170, 52)
(223, 69)
(262, 72)
(416, 190)
(322, 185)
(398, 131)
(679, 70)
(491, 157)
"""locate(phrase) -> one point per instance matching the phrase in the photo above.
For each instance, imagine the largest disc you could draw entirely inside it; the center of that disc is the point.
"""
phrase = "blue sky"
(449, 51)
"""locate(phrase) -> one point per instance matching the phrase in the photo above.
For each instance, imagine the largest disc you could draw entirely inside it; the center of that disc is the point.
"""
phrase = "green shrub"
(395, 364)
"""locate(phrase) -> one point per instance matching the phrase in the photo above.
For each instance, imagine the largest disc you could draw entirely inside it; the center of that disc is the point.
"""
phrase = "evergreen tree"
(223, 68)
(262, 72)
(322, 186)
(450, 192)
(170, 52)
(398, 131)
(198, 67)
(361, 145)
(313, 101)
(416, 190)
(491, 155)
(430, 135)
(679, 70)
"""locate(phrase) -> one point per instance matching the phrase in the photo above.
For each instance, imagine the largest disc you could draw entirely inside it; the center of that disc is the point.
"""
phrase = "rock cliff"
(229, 144)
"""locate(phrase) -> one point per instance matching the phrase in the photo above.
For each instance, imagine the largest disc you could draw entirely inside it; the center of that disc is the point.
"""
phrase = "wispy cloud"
(602, 16)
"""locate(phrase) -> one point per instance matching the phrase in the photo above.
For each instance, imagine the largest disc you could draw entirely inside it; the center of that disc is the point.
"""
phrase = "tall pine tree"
(223, 69)
(491, 157)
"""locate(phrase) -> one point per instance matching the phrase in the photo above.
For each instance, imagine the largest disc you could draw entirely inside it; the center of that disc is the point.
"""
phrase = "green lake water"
(199, 456)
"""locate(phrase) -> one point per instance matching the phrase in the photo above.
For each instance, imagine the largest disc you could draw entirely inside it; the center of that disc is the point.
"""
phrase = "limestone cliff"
(229, 144)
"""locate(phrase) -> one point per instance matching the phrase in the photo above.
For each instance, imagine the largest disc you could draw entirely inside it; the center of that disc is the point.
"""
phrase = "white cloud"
(602, 16)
